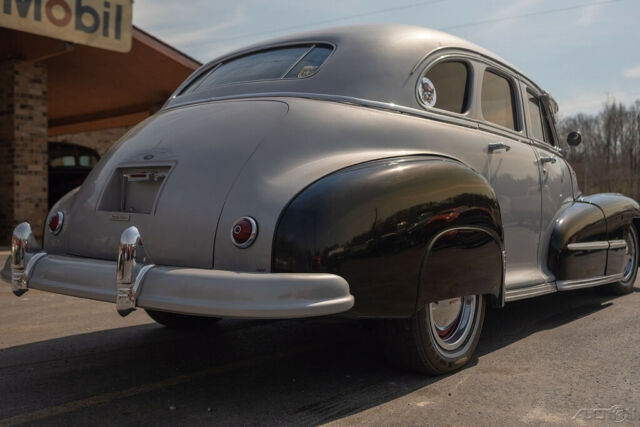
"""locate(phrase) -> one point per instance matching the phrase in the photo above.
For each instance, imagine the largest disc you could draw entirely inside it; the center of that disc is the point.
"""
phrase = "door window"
(538, 121)
(534, 117)
(497, 100)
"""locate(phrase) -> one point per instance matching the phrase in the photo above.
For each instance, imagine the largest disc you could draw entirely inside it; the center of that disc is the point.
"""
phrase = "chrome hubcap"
(452, 321)
(630, 256)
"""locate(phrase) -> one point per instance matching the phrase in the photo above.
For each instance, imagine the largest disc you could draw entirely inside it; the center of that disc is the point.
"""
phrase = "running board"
(529, 292)
(560, 285)
(569, 285)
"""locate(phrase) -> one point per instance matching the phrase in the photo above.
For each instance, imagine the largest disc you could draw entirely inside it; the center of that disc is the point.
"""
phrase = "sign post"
(98, 23)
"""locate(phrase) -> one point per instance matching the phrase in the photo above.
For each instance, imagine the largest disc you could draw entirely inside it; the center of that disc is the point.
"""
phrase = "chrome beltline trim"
(529, 291)
(567, 285)
(342, 99)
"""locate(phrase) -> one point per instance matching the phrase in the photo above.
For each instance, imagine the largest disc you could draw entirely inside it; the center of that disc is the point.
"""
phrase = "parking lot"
(557, 359)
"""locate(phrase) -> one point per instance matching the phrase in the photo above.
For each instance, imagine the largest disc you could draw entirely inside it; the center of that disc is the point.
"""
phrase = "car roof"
(371, 61)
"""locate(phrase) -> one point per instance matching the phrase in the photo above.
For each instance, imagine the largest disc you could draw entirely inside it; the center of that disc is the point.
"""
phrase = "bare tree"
(609, 157)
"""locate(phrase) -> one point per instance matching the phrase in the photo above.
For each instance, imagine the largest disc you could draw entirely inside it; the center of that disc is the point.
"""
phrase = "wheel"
(625, 286)
(181, 321)
(439, 338)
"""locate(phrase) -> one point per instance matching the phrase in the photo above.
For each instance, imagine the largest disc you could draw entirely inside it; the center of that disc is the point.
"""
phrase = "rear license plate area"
(134, 190)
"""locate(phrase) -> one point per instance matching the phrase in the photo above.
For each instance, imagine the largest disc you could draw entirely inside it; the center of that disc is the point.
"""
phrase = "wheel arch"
(449, 258)
(372, 223)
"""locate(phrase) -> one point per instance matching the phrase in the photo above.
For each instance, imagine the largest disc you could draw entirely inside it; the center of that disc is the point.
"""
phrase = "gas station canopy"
(91, 88)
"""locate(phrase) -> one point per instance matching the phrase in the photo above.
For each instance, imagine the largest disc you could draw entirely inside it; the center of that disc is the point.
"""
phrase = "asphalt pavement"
(567, 358)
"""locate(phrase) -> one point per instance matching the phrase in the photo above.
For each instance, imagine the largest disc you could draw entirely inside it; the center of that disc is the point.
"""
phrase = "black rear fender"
(373, 224)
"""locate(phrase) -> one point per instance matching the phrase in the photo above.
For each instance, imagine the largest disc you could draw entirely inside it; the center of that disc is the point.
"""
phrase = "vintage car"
(387, 172)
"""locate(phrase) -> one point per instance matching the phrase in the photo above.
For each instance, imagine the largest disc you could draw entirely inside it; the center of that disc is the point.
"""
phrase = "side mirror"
(574, 138)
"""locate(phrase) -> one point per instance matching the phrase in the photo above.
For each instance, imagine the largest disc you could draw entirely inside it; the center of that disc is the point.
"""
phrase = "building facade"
(53, 92)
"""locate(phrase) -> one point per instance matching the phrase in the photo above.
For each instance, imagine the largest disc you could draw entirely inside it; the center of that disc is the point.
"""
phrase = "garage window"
(445, 86)
(497, 100)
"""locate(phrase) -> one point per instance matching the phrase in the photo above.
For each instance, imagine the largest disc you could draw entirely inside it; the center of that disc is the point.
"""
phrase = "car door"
(555, 174)
(512, 170)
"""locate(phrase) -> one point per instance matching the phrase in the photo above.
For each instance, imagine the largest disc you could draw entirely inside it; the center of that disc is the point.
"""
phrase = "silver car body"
(249, 149)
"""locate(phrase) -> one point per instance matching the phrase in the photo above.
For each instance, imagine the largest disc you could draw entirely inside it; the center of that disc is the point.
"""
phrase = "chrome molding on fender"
(567, 285)
(588, 246)
(129, 279)
(595, 246)
(617, 244)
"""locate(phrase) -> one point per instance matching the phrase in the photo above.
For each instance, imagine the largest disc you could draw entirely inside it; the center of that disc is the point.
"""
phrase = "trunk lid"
(170, 177)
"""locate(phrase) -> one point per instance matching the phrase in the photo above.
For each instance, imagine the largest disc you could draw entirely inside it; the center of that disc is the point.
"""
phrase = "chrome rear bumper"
(134, 282)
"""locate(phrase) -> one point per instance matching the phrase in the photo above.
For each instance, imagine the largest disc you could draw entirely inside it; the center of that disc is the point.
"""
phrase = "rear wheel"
(625, 286)
(181, 321)
(439, 338)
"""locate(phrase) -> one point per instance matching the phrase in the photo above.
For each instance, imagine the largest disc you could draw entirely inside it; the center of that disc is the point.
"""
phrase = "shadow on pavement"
(240, 372)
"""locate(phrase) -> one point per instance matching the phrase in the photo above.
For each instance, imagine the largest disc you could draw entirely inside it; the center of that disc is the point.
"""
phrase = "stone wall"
(23, 146)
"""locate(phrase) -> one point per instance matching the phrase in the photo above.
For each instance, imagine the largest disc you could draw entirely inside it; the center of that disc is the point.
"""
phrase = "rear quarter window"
(444, 86)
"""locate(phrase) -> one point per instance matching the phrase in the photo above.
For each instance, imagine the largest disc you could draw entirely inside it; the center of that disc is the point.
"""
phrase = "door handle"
(544, 160)
(494, 146)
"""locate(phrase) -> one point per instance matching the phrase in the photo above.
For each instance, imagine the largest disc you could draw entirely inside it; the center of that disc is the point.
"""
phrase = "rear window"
(497, 100)
(294, 62)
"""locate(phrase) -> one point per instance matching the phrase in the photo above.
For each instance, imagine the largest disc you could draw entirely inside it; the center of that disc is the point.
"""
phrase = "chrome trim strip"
(617, 244)
(529, 291)
(342, 99)
(567, 285)
(588, 246)
(595, 246)
(470, 54)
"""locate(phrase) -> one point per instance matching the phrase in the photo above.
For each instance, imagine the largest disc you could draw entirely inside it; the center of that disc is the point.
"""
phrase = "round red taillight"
(55, 222)
(244, 232)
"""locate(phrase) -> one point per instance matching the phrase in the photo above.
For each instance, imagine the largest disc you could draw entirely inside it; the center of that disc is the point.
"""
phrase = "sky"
(583, 52)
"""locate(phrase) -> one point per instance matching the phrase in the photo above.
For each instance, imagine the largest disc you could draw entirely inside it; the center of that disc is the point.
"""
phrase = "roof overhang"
(91, 88)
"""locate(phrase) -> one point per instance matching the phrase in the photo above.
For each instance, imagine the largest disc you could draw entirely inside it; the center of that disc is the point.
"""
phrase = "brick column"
(23, 147)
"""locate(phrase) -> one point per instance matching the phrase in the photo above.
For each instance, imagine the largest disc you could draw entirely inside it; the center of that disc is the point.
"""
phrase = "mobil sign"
(100, 23)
